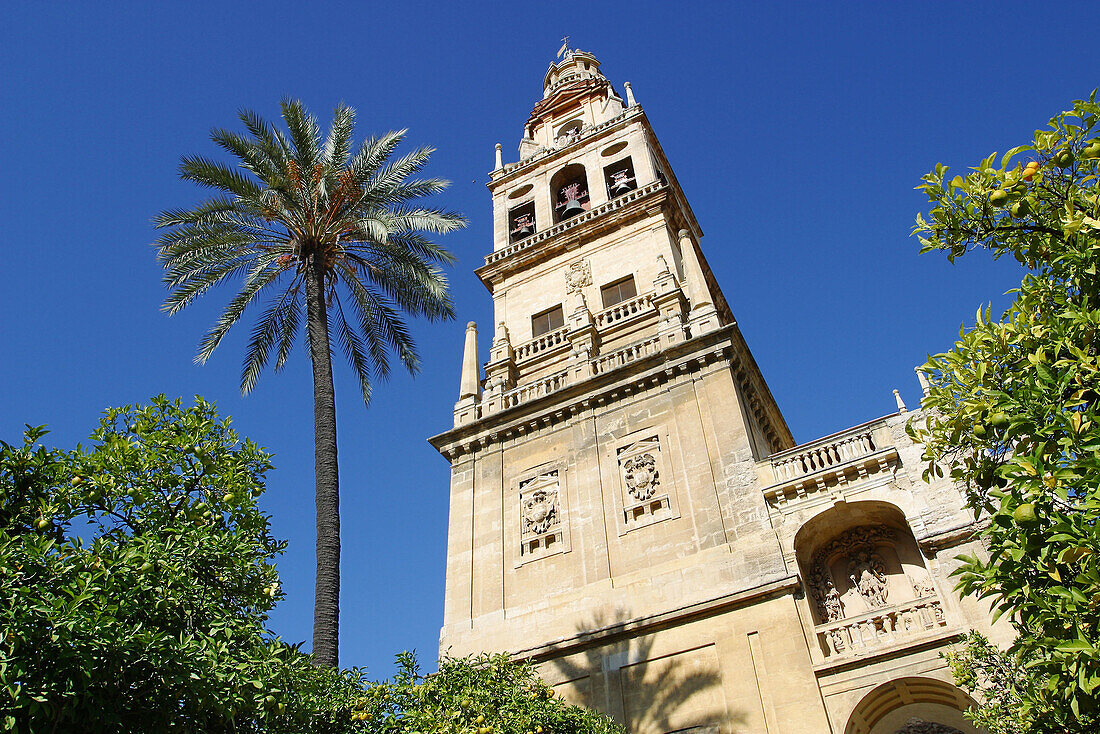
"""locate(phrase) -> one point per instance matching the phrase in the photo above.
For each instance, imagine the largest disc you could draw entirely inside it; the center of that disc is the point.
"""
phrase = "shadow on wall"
(615, 672)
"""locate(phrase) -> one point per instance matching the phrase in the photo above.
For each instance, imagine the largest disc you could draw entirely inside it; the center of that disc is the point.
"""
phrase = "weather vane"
(564, 47)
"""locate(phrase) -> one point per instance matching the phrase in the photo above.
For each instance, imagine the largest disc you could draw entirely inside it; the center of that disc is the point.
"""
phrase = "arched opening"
(569, 191)
(619, 178)
(912, 706)
(866, 579)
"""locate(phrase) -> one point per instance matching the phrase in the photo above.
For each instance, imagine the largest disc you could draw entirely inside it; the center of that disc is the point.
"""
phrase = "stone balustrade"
(560, 380)
(626, 355)
(822, 455)
(617, 203)
(537, 389)
(873, 631)
(541, 344)
(585, 134)
(813, 469)
(625, 310)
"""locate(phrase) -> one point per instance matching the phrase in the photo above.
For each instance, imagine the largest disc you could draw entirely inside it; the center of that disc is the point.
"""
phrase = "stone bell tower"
(627, 505)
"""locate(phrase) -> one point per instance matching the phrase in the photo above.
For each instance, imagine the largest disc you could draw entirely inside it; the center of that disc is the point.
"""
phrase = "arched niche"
(569, 192)
(860, 557)
(914, 705)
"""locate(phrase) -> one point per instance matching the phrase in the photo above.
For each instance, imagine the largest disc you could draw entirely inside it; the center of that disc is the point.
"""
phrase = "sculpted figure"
(868, 575)
(834, 607)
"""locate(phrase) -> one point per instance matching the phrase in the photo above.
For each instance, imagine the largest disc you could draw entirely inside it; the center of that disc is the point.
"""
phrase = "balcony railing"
(829, 453)
(537, 389)
(626, 355)
(626, 310)
(540, 344)
(881, 628)
(818, 466)
(598, 366)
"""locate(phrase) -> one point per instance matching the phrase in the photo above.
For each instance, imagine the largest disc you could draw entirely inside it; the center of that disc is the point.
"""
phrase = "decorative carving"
(540, 511)
(641, 476)
(578, 276)
(832, 604)
(539, 504)
(922, 585)
(868, 574)
(858, 540)
(920, 726)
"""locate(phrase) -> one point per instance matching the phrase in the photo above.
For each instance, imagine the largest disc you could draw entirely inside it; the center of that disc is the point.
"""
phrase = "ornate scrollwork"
(578, 276)
(641, 476)
(540, 511)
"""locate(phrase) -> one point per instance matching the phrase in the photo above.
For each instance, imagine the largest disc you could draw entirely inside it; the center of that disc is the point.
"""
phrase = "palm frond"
(353, 350)
(305, 135)
(263, 274)
(292, 189)
(272, 326)
(338, 143)
(373, 152)
(215, 175)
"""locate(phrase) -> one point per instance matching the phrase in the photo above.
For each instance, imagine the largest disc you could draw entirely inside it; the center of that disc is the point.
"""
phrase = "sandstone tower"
(627, 505)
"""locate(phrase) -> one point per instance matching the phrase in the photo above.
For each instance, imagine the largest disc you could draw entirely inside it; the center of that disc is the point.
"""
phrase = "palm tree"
(303, 222)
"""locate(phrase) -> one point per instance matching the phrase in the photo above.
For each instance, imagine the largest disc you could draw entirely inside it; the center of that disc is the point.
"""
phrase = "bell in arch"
(572, 208)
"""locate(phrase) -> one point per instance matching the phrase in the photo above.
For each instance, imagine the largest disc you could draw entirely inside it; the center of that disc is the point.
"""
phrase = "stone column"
(583, 338)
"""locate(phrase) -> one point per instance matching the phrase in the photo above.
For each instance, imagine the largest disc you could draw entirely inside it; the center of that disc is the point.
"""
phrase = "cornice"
(632, 628)
(723, 347)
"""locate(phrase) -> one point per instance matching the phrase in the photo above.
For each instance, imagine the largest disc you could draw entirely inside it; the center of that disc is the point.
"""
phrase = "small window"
(547, 321)
(619, 291)
(521, 222)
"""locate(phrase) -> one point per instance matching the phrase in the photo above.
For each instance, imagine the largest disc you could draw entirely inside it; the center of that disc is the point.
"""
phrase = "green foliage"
(487, 694)
(997, 679)
(136, 578)
(297, 209)
(1013, 406)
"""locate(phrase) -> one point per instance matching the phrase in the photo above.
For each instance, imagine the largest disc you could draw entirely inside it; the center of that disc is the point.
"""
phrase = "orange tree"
(136, 578)
(484, 694)
(1013, 407)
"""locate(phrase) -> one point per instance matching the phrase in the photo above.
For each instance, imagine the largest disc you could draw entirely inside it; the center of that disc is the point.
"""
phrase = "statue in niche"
(867, 572)
(540, 511)
(831, 602)
(641, 476)
(922, 585)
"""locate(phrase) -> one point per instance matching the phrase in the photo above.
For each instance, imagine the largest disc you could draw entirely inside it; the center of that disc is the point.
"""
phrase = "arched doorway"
(912, 706)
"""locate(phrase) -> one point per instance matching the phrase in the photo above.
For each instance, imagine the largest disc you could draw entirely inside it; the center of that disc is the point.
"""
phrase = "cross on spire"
(564, 47)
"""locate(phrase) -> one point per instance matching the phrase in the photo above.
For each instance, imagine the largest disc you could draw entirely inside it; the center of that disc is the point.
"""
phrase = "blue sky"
(797, 131)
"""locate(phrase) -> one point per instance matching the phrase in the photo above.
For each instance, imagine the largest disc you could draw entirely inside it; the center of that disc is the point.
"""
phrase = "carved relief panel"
(541, 516)
(644, 482)
(862, 570)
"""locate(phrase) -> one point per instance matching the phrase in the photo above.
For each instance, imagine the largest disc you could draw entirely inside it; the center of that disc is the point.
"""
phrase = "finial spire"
(923, 379)
(469, 385)
(564, 47)
(901, 403)
(629, 95)
(499, 158)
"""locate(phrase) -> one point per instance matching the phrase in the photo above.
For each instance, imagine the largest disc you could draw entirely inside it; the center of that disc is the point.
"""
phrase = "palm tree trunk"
(326, 605)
